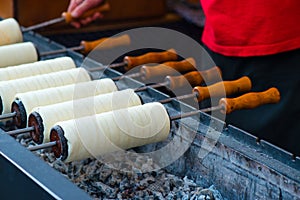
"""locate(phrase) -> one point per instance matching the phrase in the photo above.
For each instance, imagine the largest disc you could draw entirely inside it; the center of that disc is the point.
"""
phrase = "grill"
(241, 166)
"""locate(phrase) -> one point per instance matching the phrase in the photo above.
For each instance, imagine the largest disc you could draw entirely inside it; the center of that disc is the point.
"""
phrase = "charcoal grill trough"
(240, 165)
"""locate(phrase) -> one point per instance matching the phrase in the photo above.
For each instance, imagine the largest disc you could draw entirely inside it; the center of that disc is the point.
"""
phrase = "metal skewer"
(224, 88)
(8, 115)
(101, 44)
(67, 17)
(226, 106)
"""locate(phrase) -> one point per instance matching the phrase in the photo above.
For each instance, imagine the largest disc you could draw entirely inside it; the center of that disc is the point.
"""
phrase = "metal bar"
(115, 65)
(192, 113)
(187, 96)
(43, 24)
(48, 53)
(134, 75)
(158, 85)
(42, 146)
(20, 131)
(8, 115)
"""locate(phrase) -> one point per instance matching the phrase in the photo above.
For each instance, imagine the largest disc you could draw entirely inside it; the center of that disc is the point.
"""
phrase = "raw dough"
(116, 130)
(16, 54)
(54, 113)
(10, 32)
(8, 89)
(36, 68)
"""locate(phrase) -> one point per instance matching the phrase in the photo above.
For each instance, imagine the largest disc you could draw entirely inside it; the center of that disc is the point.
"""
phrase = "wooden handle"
(108, 43)
(223, 88)
(193, 78)
(152, 57)
(167, 68)
(250, 100)
(101, 8)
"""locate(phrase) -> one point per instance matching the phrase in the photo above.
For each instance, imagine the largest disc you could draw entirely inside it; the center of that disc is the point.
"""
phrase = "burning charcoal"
(50, 158)
(104, 174)
(147, 181)
(60, 166)
(216, 193)
(206, 194)
(25, 141)
(170, 196)
(158, 195)
(189, 182)
(182, 195)
(124, 184)
(108, 191)
(140, 194)
(102, 181)
(175, 182)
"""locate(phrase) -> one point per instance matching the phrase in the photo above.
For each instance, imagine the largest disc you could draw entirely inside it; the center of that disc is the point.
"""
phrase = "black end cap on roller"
(60, 150)
(37, 52)
(1, 106)
(36, 121)
(170, 120)
(141, 99)
(20, 120)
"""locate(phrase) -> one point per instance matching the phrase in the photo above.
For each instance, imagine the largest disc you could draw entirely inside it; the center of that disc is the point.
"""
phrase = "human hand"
(78, 7)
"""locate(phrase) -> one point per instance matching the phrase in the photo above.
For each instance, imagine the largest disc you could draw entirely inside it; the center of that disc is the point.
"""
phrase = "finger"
(83, 7)
(97, 15)
(73, 4)
(86, 20)
(76, 24)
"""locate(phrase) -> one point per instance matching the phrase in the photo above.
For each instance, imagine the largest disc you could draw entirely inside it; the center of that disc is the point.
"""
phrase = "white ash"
(101, 181)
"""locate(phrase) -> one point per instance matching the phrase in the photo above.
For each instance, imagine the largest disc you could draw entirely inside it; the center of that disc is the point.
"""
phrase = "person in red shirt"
(259, 39)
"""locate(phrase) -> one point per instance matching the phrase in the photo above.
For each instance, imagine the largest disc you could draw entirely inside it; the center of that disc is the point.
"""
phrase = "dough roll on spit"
(43, 118)
(25, 102)
(93, 136)
(19, 53)
(10, 32)
(36, 68)
(8, 89)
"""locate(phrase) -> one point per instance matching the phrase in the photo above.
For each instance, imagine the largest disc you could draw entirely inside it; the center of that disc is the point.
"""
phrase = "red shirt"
(251, 28)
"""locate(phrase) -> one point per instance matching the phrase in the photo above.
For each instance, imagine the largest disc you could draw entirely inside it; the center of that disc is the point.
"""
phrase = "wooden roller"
(152, 57)
(194, 78)
(108, 132)
(117, 127)
(249, 100)
(223, 88)
(44, 117)
(36, 68)
(8, 89)
(167, 68)
(104, 43)
(25, 102)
